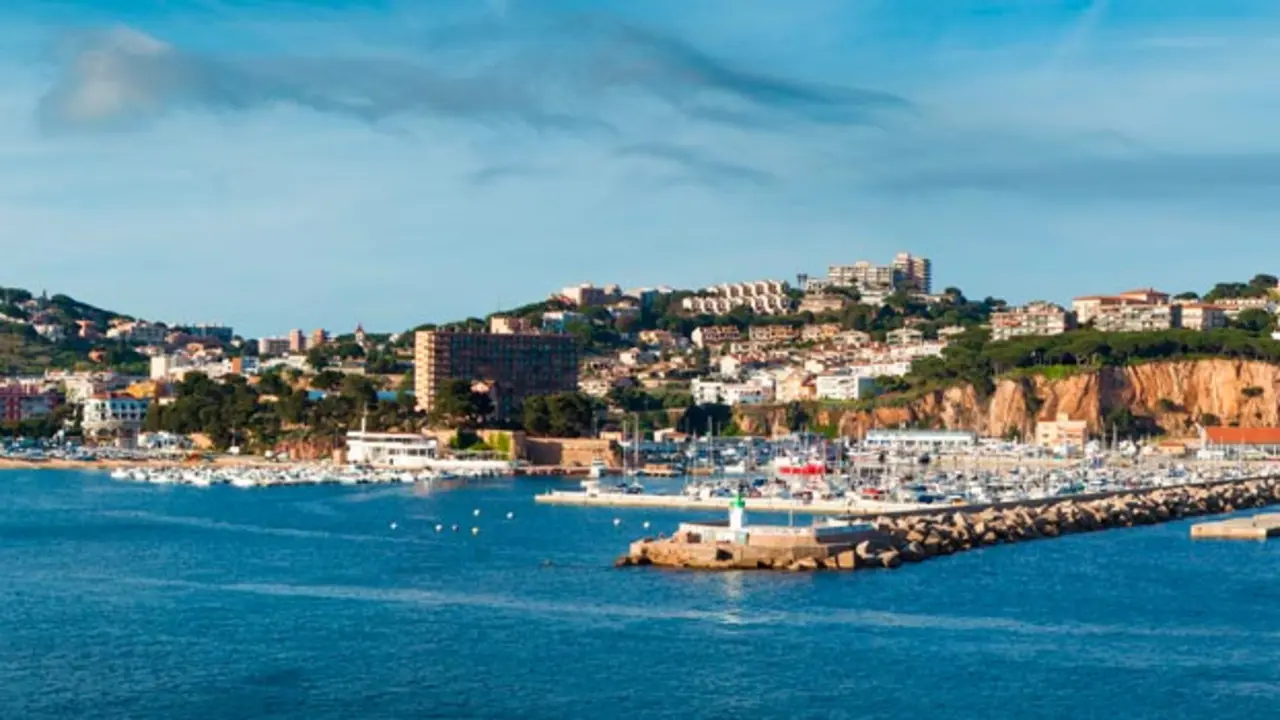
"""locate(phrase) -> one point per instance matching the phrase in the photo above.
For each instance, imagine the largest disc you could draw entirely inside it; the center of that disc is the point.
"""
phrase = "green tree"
(457, 405)
(699, 420)
(1254, 320)
(318, 358)
(536, 416)
(1263, 281)
(327, 380)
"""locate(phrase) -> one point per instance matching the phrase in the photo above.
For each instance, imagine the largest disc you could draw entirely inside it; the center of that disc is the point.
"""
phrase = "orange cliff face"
(1175, 394)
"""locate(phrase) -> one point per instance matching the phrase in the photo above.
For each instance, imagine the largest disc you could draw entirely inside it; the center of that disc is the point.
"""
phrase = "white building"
(554, 321)
(163, 367)
(921, 439)
(398, 450)
(273, 346)
(52, 333)
(843, 387)
(105, 415)
(904, 336)
(764, 297)
(730, 367)
(140, 332)
(715, 392)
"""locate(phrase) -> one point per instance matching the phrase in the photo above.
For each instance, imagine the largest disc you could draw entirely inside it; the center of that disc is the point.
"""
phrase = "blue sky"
(275, 164)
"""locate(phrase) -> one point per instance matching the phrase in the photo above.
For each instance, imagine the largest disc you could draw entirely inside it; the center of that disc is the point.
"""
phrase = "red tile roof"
(1243, 436)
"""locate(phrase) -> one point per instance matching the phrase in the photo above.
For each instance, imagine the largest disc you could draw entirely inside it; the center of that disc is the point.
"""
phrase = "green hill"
(23, 351)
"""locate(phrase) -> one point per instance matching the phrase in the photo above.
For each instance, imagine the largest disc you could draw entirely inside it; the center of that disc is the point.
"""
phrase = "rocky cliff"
(1173, 394)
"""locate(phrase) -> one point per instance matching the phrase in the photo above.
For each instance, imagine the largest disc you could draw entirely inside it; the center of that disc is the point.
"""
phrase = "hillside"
(23, 351)
(1160, 397)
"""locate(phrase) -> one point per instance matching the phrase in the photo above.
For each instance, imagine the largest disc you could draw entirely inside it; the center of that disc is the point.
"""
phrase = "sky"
(273, 164)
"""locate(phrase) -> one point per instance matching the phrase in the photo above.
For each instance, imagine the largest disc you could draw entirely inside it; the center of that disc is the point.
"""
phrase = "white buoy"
(476, 512)
(475, 531)
(510, 515)
(394, 526)
(439, 528)
(455, 527)
(617, 522)
(646, 524)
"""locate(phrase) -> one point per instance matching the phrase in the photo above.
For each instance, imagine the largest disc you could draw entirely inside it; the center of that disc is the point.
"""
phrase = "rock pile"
(921, 536)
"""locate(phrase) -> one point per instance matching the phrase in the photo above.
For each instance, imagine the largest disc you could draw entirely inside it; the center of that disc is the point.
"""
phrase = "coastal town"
(570, 380)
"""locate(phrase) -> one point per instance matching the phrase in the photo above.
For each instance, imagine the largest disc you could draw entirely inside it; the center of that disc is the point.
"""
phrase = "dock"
(1258, 527)
(763, 505)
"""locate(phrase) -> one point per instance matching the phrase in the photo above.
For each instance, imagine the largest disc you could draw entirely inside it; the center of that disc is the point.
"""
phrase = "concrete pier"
(765, 505)
(1258, 527)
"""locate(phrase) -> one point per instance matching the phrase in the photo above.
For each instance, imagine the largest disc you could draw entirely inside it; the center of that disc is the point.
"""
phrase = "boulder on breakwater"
(916, 537)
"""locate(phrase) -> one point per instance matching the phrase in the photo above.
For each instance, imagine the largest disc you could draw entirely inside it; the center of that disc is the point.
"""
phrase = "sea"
(122, 600)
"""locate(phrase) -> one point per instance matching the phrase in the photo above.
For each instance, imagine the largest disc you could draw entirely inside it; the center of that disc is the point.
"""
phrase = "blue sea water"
(131, 601)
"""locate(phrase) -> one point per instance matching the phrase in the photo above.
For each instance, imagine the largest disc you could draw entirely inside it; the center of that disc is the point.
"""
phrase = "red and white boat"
(788, 467)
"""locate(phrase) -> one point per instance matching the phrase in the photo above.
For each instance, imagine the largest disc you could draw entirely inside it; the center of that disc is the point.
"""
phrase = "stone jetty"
(891, 541)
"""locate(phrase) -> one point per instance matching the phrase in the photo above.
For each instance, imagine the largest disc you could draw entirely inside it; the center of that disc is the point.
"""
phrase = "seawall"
(915, 536)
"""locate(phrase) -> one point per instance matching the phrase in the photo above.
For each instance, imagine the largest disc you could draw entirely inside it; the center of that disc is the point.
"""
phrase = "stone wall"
(571, 452)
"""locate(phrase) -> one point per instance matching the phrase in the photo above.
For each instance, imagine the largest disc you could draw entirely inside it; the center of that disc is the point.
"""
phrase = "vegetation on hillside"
(973, 359)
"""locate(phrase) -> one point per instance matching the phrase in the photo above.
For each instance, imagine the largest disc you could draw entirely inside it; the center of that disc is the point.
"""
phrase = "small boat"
(598, 469)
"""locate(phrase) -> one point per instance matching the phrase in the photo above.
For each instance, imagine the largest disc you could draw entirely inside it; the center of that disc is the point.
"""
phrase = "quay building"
(934, 440)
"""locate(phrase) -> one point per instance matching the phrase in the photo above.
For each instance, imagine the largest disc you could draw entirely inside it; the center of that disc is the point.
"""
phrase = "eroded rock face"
(919, 537)
(1173, 393)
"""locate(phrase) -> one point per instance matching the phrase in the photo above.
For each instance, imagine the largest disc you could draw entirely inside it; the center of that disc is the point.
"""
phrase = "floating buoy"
(476, 512)
(455, 527)
(646, 524)
(617, 522)
(475, 531)
(510, 515)
(439, 528)
(394, 526)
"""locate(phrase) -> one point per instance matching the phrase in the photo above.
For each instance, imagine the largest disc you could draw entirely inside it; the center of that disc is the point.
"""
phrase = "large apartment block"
(1035, 318)
(906, 272)
(916, 272)
(764, 297)
(1088, 307)
(1138, 318)
(1198, 316)
(514, 366)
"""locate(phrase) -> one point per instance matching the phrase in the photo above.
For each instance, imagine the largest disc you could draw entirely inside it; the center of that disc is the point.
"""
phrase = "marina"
(697, 503)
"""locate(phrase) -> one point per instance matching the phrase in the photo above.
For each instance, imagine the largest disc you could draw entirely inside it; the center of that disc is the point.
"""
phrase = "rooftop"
(1242, 436)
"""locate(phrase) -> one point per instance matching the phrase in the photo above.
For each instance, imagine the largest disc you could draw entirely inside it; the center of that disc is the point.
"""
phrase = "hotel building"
(514, 366)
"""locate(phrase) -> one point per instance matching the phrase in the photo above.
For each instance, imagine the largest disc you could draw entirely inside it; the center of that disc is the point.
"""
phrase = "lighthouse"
(737, 513)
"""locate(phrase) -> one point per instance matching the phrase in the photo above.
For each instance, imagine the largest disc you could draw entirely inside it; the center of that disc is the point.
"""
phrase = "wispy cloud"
(696, 165)
(503, 171)
(120, 76)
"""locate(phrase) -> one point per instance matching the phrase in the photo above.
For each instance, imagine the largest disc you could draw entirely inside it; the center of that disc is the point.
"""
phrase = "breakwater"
(917, 536)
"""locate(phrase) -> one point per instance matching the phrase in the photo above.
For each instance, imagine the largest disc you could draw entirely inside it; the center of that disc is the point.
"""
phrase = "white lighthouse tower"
(737, 513)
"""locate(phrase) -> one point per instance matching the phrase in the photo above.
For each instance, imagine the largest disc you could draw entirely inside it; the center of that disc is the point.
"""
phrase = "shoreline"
(7, 463)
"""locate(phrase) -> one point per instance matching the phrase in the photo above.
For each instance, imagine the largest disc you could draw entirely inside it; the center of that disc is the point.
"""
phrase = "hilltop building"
(1034, 318)
(764, 297)
(1089, 307)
